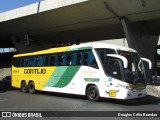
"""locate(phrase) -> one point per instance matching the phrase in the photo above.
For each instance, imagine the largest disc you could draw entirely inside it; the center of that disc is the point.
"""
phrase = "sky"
(6, 5)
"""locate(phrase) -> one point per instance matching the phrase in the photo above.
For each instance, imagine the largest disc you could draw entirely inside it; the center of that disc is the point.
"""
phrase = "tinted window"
(52, 60)
(15, 62)
(75, 58)
(63, 59)
(23, 62)
(102, 54)
(31, 61)
(87, 58)
(42, 60)
(69, 59)
(84, 57)
(114, 69)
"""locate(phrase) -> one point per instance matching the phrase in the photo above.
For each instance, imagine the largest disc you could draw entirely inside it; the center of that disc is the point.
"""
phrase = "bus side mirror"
(125, 61)
(148, 61)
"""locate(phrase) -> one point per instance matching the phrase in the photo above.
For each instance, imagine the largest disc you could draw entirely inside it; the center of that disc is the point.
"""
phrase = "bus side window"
(87, 58)
(16, 62)
(59, 60)
(52, 60)
(63, 59)
(83, 57)
(46, 63)
(42, 60)
(56, 60)
(31, 61)
(91, 60)
(102, 55)
(34, 60)
(25, 62)
(79, 59)
(69, 59)
(39, 61)
(74, 58)
(21, 62)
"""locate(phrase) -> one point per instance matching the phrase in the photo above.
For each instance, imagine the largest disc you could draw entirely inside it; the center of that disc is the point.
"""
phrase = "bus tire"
(93, 93)
(31, 88)
(24, 87)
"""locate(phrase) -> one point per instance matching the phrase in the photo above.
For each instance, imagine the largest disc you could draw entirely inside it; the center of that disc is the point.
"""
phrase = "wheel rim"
(31, 87)
(24, 87)
(92, 93)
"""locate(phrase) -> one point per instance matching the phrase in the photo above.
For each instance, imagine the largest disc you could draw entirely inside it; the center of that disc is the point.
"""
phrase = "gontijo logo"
(112, 93)
(34, 71)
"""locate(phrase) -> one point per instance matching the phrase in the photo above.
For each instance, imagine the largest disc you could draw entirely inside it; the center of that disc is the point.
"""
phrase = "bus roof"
(110, 46)
(82, 46)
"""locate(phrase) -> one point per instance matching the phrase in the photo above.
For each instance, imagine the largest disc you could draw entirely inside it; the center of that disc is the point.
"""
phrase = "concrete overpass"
(44, 24)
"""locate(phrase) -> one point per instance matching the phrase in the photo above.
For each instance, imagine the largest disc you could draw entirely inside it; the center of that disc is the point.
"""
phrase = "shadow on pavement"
(135, 102)
(62, 95)
(5, 87)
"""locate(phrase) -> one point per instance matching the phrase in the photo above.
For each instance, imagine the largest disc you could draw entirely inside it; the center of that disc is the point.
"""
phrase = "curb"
(153, 90)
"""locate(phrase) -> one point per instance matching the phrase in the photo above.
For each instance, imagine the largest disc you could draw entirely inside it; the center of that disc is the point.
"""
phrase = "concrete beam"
(38, 7)
(139, 37)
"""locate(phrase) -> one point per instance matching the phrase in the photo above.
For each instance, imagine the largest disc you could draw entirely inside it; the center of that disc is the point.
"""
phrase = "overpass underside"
(48, 23)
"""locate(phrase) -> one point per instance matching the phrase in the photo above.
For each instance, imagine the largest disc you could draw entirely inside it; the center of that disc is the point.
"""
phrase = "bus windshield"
(135, 73)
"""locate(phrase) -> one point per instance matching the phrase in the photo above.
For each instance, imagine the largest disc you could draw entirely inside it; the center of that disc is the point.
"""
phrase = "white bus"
(92, 69)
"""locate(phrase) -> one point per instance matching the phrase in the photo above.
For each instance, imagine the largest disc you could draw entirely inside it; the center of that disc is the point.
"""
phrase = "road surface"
(14, 100)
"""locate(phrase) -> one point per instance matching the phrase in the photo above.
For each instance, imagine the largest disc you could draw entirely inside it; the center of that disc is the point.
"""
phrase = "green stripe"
(91, 79)
(85, 48)
(81, 48)
(67, 76)
(62, 76)
(55, 77)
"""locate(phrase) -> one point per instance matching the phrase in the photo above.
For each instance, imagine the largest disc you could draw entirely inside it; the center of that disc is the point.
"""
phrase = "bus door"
(115, 66)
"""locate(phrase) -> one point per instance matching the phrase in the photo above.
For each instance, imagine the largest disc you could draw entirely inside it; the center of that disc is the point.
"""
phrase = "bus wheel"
(93, 93)
(24, 87)
(31, 87)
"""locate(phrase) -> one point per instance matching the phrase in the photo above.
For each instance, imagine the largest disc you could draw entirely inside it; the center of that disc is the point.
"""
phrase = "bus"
(91, 69)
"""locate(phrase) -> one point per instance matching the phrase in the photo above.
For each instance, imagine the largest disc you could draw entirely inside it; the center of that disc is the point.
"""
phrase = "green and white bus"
(92, 69)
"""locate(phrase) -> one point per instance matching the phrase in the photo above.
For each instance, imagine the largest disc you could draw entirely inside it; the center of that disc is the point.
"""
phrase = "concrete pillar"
(140, 38)
(4, 72)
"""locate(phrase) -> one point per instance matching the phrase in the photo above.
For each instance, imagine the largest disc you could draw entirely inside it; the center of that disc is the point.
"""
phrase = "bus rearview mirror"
(125, 61)
(148, 61)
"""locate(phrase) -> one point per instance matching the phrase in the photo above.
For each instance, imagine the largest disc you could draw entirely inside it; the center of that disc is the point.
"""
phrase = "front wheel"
(31, 88)
(93, 93)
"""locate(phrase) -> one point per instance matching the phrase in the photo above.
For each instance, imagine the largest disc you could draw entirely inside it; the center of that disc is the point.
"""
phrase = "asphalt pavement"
(12, 99)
